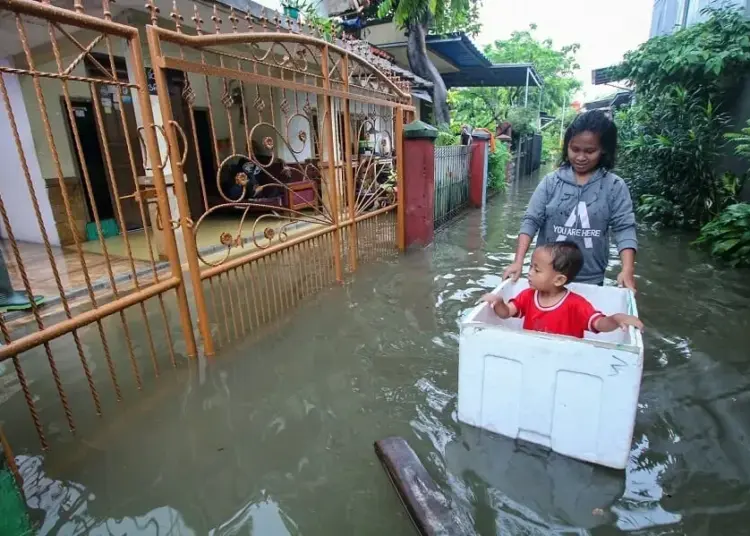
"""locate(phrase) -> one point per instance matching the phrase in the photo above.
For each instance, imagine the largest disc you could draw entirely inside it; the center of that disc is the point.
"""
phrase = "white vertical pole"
(562, 120)
(526, 98)
(539, 111)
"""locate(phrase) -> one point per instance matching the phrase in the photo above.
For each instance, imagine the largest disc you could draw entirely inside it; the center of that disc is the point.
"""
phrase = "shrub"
(672, 137)
(670, 144)
(496, 166)
(523, 121)
(448, 135)
(728, 236)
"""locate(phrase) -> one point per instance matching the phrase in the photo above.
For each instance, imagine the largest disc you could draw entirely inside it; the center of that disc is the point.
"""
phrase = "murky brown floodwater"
(275, 437)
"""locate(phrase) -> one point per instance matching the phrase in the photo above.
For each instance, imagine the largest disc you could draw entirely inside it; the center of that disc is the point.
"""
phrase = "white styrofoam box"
(577, 397)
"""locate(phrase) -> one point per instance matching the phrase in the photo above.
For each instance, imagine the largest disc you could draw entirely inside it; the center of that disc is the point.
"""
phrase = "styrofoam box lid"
(608, 300)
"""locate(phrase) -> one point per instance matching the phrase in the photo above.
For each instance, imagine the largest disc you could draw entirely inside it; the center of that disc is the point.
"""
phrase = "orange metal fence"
(282, 146)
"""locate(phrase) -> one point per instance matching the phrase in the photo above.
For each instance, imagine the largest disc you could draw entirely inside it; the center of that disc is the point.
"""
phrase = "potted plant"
(293, 7)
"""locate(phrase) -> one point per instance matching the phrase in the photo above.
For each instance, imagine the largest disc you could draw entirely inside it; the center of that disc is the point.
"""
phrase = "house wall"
(56, 112)
(379, 34)
(15, 193)
(669, 15)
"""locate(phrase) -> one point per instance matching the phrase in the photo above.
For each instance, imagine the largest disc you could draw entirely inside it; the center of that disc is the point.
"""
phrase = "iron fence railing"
(451, 182)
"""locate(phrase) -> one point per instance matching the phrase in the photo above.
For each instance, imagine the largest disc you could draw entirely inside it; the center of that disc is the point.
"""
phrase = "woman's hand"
(513, 272)
(626, 279)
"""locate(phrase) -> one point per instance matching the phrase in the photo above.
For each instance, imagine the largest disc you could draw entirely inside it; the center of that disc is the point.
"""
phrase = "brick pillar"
(478, 169)
(419, 183)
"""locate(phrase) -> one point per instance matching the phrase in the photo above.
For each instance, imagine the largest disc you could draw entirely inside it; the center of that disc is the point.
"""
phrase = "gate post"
(418, 197)
(478, 169)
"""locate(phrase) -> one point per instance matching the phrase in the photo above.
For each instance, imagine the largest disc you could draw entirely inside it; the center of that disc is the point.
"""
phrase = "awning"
(462, 64)
(497, 75)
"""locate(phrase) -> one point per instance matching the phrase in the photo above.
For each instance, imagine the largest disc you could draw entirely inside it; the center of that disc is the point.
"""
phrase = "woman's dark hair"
(599, 123)
(567, 258)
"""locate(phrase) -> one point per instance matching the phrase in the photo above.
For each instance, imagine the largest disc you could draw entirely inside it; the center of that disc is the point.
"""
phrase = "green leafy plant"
(728, 236)
(673, 137)
(741, 141)
(709, 58)
(670, 145)
(522, 120)
(497, 163)
(329, 28)
(448, 135)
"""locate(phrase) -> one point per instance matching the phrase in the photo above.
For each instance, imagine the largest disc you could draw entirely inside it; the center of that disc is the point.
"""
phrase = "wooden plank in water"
(427, 506)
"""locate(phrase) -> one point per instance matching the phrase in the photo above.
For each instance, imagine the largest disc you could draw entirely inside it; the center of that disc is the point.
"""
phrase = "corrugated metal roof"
(497, 75)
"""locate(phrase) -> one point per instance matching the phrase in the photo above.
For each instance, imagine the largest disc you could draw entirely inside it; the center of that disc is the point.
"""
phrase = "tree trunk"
(421, 65)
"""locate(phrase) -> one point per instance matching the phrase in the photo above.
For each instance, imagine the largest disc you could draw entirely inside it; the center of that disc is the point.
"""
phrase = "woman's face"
(584, 152)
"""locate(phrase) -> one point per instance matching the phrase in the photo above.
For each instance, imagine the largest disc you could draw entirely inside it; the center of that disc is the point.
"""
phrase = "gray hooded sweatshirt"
(560, 210)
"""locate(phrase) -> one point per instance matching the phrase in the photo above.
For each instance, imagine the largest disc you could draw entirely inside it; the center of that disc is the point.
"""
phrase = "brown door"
(93, 160)
(118, 151)
(117, 138)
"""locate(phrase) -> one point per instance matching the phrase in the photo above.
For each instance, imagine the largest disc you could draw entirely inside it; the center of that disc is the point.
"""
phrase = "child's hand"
(623, 321)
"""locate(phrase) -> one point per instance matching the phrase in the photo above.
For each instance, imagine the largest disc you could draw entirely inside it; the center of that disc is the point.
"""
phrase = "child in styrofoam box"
(548, 306)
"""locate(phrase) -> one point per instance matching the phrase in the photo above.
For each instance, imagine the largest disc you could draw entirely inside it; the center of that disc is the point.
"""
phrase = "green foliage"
(522, 120)
(551, 144)
(708, 58)
(329, 28)
(442, 16)
(448, 135)
(741, 141)
(496, 165)
(669, 146)
(728, 236)
(489, 106)
(672, 138)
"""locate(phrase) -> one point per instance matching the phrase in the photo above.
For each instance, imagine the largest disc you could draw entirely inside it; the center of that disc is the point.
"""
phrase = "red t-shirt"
(571, 316)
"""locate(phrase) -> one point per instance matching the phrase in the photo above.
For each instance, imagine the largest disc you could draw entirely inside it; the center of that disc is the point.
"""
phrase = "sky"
(605, 29)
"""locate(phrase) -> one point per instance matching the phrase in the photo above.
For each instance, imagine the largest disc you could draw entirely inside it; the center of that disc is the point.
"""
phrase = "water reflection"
(65, 507)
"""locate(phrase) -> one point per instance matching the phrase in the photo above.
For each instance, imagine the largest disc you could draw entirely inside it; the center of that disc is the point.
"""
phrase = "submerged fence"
(451, 182)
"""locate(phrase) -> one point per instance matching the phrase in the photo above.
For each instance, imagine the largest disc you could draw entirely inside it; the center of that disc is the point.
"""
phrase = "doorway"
(205, 146)
(85, 123)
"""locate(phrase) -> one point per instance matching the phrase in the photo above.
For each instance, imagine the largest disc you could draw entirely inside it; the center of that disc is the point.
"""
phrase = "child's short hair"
(598, 122)
(567, 258)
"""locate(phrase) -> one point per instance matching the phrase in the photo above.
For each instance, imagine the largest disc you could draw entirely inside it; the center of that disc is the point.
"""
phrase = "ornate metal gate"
(304, 131)
(283, 147)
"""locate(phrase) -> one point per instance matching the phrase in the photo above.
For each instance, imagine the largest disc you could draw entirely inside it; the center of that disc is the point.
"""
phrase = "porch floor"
(41, 277)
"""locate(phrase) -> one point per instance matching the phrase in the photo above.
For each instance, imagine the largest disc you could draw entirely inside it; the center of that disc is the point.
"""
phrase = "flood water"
(275, 436)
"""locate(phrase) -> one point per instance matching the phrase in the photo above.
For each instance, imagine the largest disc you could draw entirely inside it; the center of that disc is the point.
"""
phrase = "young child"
(550, 307)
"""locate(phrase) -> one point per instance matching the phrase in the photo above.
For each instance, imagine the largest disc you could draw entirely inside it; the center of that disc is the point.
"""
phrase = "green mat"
(14, 520)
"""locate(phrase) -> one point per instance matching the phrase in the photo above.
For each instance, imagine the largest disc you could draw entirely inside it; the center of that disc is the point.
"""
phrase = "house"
(82, 156)
(93, 131)
(670, 15)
